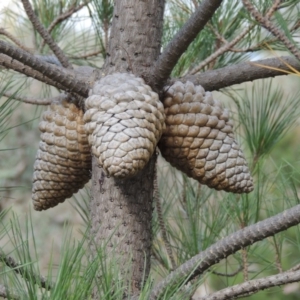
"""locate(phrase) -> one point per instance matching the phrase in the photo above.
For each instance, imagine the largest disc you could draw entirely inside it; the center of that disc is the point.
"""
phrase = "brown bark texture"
(121, 209)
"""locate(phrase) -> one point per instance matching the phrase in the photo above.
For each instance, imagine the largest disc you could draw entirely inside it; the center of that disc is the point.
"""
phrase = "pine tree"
(146, 57)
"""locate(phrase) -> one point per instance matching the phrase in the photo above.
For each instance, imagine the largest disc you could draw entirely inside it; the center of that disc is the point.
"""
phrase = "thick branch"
(254, 286)
(19, 269)
(227, 246)
(64, 77)
(229, 274)
(14, 39)
(36, 101)
(8, 294)
(45, 35)
(51, 59)
(248, 71)
(8, 63)
(168, 59)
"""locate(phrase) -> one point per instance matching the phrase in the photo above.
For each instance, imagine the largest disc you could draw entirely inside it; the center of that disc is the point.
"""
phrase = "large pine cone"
(199, 140)
(124, 119)
(63, 160)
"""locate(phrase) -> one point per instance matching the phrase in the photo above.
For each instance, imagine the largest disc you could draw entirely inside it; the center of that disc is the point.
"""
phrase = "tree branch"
(227, 246)
(45, 35)
(161, 222)
(228, 45)
(8, 63)
(62, 17)
(8, 294)
(177, 46)
(265, 22)
(28, 275)
(63, 77)
(36, 101)
(15, 40)
(228, 274)
(87, 55)
(66, 15)
(247, 71)
(51, 59)
(221, 50)
(253, 286)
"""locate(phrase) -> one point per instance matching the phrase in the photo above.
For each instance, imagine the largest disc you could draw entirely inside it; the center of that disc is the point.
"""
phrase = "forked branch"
(14, 39)
(265, 22)
(45, 35)
(229, 45)
(227, 246)
(63, 77)
(177, 46)
(62, 17)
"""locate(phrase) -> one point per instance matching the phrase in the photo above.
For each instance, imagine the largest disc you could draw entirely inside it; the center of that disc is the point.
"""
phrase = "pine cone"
(63, 160)
(199, 140)
(124, 119)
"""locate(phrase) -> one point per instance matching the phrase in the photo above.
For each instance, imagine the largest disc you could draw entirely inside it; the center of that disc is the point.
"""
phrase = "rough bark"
(121, 210)
(177, 46)
(247, 236)
(213, 80)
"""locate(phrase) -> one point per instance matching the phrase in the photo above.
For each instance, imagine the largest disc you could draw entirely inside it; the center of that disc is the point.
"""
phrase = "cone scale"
(124, 120)
(63, 160)
(199, 140)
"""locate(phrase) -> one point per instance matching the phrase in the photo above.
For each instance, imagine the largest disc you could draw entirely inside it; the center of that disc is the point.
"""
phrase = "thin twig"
(245, 263)
(177, 46)
(45, 35)
(221, 50)
(161, 222)
(87, 55)
(14, 39)
(266, 23)
(263, 44)
(27, 275)
(228, 45)
(247, 71)
(62, 17)
(160, 260)
(295, 268)
(227, 246)
(8, 294)
(62, 76)
(277, 255)
(254, 286)
(228, 274)
(182, 199)
(36, 101)
(273, 9)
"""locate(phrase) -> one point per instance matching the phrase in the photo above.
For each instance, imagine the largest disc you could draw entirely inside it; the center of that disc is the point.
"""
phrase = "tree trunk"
(121, 210)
